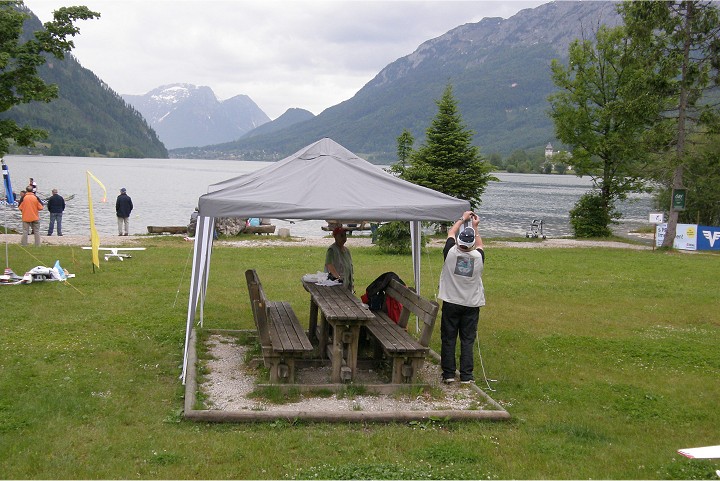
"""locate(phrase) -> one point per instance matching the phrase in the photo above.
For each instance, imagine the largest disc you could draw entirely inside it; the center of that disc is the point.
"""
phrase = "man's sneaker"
(449, 380)
(467, 381)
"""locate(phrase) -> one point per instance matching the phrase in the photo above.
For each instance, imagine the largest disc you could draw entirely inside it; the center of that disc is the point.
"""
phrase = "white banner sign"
(685, 236)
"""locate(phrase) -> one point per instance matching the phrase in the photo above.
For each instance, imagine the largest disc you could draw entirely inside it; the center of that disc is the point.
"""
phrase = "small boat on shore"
(172, 229)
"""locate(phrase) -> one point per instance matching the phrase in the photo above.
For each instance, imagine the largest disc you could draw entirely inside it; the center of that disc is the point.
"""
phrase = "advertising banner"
(685, 236)
(708, 238)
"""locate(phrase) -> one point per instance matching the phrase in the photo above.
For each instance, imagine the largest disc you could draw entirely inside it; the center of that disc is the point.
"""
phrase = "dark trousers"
(55, 218)
(457, 320)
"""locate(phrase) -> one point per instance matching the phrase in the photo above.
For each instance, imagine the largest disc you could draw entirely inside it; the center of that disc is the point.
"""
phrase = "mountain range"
(500, 73)
(185, 115)
(499, 70)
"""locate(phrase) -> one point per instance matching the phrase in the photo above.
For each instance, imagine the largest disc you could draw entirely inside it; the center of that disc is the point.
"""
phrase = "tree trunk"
(682, 118)
(673, 217)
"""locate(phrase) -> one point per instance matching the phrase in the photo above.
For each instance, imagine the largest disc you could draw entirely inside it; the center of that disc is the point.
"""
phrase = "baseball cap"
(123, 190)
(466, 238)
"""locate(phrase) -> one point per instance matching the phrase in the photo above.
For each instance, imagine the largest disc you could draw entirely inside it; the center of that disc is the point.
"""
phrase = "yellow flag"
(94, 237)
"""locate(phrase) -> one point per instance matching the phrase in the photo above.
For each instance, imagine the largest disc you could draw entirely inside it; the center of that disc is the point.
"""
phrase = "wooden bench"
(282, 338)
(265, 227)
(259, 229)
(169, 229)
(350, 226)
(407, 353)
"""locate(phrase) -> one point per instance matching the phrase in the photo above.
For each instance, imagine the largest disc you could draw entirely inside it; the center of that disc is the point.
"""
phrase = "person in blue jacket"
(56, 207)
(123, 208)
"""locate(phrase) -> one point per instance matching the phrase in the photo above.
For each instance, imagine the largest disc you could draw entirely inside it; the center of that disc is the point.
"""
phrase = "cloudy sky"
(311, 54)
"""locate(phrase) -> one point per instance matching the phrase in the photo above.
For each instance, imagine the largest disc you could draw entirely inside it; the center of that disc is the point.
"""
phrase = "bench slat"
(425, 310)
(286, 333)
(406, 352)
(282, 337)
(393, 337)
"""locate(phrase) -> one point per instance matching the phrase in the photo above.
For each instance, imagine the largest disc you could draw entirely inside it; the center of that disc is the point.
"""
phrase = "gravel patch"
(229, 381)
(569, 243)
(73, 240)
(274, 241)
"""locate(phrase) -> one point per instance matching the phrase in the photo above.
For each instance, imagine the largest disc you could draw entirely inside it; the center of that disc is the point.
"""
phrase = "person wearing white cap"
(123, 207)
(462, 292)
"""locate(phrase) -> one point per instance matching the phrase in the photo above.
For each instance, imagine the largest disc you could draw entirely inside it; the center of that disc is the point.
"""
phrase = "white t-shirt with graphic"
(461, 277)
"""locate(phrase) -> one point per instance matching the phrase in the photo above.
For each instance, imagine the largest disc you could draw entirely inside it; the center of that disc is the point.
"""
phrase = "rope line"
(482, 365)
(182, 277)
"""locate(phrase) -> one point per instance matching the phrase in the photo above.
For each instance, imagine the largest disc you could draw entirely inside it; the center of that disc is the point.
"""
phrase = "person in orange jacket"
(30, 208)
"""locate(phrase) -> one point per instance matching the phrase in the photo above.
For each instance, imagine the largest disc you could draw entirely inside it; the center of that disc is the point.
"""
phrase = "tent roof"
(326, 181)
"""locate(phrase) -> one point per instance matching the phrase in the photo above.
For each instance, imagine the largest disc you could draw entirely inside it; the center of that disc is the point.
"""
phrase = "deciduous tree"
(681, 41)
(603, 110)
(20, 57)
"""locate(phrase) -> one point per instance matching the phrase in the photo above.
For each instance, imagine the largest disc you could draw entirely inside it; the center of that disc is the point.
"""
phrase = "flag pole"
(7, 260)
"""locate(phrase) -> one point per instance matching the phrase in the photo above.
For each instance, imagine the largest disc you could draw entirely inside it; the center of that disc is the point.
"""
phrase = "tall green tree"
(603, 111)
(20, 58)
(682, 44)
(404, 151)
(447, 161)
(701, 176)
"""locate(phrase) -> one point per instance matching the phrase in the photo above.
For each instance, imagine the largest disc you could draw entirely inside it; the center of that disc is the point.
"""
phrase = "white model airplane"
(116, 251)
(705, 452)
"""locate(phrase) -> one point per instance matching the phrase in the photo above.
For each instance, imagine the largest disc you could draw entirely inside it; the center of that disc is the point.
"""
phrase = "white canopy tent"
(321, 181)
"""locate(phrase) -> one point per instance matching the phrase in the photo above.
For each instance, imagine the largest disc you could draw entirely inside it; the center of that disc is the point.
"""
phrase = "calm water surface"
(166, 191)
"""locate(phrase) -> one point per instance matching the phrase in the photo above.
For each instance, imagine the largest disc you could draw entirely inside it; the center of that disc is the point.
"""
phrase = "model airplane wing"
(705, 452)
(117, 251)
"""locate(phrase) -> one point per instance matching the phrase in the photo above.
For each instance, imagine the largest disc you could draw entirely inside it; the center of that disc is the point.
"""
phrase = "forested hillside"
(500, 72)
(88, 118)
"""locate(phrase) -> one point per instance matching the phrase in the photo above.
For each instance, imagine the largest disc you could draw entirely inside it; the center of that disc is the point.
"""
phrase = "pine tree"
(447, 161)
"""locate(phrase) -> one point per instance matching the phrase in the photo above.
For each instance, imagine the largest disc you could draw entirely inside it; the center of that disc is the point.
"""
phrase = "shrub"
(591, 217)
(394, 238)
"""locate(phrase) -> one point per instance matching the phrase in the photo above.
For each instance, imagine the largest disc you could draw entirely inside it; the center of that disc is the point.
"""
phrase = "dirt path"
(260, 241)
(71, 240)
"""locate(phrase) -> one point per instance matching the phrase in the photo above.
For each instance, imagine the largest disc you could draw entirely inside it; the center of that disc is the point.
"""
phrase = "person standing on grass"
(123, 207)
(56, 206)
(462, 292)
(30, 208)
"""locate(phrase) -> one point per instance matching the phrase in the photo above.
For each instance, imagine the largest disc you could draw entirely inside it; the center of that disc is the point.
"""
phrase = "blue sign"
(708, 238)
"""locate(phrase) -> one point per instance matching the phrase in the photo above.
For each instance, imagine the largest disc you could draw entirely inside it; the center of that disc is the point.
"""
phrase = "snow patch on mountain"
(186, 115)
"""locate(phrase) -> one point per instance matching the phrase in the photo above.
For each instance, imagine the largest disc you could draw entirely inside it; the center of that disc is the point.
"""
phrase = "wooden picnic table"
(345, 313)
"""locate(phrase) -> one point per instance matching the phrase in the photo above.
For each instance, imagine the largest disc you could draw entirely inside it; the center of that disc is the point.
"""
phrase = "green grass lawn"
(608, 361)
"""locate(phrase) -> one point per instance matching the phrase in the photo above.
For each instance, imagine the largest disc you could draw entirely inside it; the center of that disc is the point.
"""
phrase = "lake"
(166, 191)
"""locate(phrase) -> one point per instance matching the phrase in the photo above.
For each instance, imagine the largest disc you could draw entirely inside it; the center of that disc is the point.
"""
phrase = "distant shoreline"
(275, 241)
